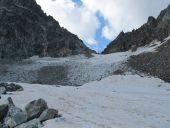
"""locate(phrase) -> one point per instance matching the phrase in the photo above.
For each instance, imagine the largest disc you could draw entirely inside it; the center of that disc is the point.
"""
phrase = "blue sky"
(98, 22)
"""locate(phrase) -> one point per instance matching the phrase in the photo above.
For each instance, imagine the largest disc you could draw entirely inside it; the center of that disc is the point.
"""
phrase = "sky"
(98, 22)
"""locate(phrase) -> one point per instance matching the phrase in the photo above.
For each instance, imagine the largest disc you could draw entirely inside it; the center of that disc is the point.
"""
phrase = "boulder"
(31, 124)
(10, 102)
(11, 87)
(35, 108)
(48, 114)
(15, 117)
(14, 87)
(1, 126)
(118, 72)
(2, 90)
(3, 111)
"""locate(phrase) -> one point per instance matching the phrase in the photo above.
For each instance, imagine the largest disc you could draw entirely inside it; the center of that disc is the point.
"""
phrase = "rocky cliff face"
(154, 63)
(154, 29)
(25, 30)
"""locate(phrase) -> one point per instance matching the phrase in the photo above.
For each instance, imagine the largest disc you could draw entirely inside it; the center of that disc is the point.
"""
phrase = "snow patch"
(115, 102)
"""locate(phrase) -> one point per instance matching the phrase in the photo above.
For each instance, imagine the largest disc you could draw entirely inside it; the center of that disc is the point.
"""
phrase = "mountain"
(25, 31)
(154, 29)
(154, 63)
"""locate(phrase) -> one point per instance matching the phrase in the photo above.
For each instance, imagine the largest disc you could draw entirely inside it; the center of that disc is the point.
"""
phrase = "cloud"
(77, 19)
(124, 14)
(82, 18)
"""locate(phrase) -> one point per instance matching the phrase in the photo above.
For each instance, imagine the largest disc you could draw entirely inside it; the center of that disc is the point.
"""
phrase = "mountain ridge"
(25, 31)
(154, 29)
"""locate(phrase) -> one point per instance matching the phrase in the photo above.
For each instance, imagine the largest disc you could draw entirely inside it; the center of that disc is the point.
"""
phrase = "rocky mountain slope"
(70, 71)
(154, 29)
(154, 63)
(25, 30)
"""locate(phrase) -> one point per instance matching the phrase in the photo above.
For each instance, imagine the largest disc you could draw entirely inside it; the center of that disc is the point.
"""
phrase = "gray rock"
(10, 102)
(154, 63)
(2, 90)
(48, 114)
(11, 87)
(118, 72)
(1, 126)
(31, 124)
(15, 117)
(3, 111)
(35, 108)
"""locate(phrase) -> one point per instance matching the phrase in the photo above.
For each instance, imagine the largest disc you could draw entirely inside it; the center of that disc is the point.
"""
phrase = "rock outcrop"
(14, 117)
(48, 114)
(25, 30)
(10, 87)
(154, 29)
(154, 63)
(35, 108)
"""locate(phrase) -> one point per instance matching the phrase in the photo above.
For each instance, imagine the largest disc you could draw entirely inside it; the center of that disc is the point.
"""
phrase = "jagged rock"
(3, 111)
(35, 108)
(15, 115)
(154, 29)
(48, 114)
(118, 72)
(25, 30)
(31, 124)
(11, 87)
(2, 90)
(10, 102)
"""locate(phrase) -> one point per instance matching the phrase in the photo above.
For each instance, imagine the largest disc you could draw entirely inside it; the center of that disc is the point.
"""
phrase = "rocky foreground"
(34, 114)
(121, 101)
(112, 93)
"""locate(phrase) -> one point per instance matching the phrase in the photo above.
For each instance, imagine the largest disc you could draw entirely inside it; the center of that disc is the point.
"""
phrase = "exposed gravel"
(154, 63)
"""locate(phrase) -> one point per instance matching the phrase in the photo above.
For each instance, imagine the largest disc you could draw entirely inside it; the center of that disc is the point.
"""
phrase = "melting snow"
(118, 101)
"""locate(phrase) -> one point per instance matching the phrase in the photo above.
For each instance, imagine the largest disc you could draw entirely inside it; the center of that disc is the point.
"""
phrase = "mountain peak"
(154, 29)
(25, 31)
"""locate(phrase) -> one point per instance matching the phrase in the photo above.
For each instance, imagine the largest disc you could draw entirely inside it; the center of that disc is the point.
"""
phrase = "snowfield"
(118, 101)
(106, 101)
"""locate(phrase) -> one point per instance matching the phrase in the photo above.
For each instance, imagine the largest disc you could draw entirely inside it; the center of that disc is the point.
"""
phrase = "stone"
(35, 108)
(15, 117)
(2, 90)
(3, 111)
(10, 101)
(48, 114)
(14, 87)
(31, 124)
(11, 87)
(1, 126)
(118, 72)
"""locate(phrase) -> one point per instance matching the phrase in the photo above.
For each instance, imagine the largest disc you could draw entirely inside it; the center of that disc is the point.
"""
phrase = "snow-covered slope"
(118, 101)
(79, 69)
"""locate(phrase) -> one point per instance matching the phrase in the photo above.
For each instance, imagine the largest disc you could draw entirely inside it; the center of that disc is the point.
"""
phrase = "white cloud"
(119, 15)
(77, 19)
(124, 14)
